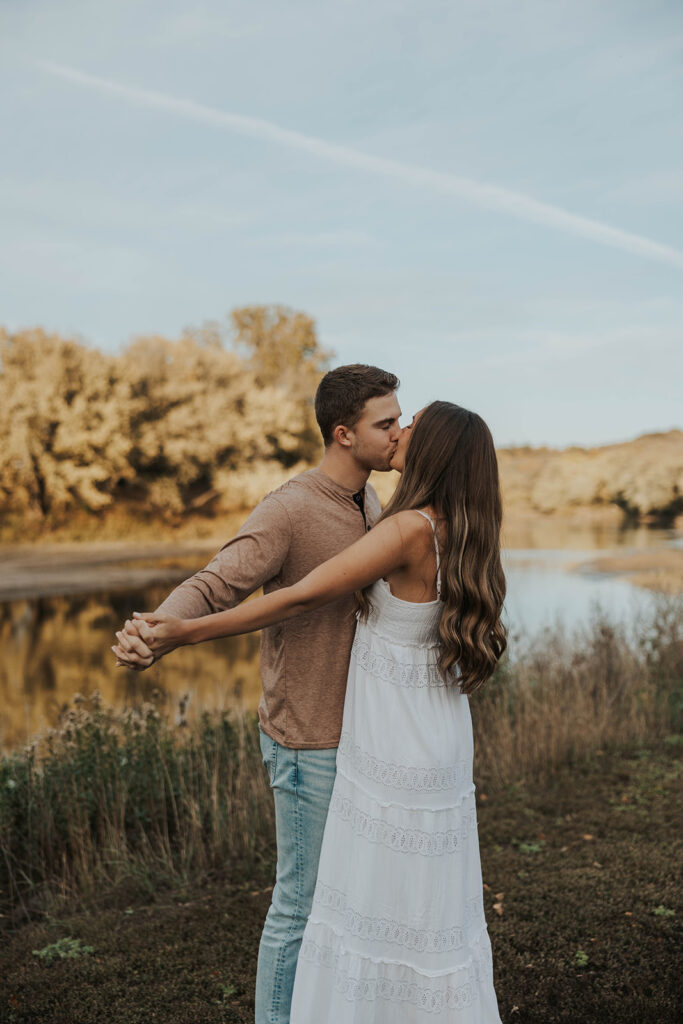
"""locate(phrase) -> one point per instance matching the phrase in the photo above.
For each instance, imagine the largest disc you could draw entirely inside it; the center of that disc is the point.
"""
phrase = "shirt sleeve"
(253, 556)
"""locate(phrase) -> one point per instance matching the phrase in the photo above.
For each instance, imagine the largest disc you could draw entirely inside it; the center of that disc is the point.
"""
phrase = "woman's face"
(398, 459)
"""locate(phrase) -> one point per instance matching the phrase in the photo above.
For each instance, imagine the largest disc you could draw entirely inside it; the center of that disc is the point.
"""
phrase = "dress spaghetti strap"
(436, 548)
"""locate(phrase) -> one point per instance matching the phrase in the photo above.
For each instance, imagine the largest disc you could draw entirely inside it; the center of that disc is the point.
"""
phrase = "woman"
(397, 932)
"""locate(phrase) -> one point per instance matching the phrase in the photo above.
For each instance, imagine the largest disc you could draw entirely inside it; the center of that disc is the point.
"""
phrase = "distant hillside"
(641, 479)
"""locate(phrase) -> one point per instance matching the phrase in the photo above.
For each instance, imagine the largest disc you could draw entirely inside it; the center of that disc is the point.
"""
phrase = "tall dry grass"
(114, 799)
(566, 695)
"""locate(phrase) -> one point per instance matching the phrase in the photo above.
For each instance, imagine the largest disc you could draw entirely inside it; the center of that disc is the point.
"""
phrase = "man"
(304, 661)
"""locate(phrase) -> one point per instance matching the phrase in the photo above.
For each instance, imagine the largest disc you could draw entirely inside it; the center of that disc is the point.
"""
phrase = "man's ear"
(343, 436)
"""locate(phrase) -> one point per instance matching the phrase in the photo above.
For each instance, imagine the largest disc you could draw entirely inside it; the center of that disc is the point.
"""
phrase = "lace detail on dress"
(404, 840)
(434, 997)
(401, 673)
(401, 776)
(384, 929)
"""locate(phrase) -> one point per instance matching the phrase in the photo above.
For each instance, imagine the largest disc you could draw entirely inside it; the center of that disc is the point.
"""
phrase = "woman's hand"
(161, 635)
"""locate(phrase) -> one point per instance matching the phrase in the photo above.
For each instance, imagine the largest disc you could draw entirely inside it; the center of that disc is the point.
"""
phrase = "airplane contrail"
(491, 197)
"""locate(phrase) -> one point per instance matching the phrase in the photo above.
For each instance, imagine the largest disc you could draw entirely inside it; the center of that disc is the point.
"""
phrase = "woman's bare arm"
(380, 552)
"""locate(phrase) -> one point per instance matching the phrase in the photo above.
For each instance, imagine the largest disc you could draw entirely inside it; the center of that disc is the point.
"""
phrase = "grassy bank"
(582, 870)
(137, 855)
(126, 803)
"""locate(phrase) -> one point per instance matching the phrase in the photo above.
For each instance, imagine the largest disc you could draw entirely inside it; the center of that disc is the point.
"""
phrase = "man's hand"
(132, 651)
(149, 637)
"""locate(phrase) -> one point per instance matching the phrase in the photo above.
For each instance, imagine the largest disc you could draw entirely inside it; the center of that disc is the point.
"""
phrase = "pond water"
(545, 587)
(56, 645)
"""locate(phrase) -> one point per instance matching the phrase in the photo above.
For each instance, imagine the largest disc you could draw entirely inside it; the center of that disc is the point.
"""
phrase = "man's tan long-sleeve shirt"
(305, 660)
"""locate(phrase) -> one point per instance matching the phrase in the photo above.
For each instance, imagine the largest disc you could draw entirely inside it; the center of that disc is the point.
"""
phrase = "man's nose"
(395, 433)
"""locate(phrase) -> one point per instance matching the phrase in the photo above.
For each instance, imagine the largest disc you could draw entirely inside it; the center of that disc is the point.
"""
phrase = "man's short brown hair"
(343, 392)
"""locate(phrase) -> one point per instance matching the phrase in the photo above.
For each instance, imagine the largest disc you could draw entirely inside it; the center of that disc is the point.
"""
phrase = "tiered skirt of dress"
(397, 933)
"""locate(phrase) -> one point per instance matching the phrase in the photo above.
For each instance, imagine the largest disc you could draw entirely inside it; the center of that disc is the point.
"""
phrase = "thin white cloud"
(491, 197)
(79, 264)
(195, 26)
(84, 203)
(320, 239)
(659, 187)
(538, 347)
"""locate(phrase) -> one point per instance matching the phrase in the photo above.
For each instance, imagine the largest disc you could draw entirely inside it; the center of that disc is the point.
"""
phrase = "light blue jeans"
(301, 781)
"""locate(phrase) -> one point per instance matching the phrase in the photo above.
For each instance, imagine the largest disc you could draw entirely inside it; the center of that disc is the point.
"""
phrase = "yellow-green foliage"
(218, 416)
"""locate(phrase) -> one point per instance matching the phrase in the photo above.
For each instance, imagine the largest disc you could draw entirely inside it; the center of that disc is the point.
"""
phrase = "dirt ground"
(582, 895)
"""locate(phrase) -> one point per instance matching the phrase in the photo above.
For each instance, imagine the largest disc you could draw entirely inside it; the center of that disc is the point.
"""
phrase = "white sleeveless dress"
(397, 933)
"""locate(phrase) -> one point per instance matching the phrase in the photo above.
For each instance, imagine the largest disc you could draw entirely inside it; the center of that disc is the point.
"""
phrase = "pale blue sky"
(485, 197)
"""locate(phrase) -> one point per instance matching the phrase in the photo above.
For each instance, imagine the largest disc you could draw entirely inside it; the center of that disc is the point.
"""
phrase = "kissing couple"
(376, 629)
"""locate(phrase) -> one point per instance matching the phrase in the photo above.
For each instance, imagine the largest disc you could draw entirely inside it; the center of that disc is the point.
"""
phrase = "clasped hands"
(147, 637)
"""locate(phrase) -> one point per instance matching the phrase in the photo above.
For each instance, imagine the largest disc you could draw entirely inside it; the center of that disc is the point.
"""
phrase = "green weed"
(63, 949)
(662, 911)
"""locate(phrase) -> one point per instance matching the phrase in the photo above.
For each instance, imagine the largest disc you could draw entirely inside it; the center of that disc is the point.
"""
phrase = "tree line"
(212, 419)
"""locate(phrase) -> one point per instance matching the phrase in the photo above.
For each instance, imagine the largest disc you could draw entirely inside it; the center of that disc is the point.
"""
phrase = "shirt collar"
(333, 486)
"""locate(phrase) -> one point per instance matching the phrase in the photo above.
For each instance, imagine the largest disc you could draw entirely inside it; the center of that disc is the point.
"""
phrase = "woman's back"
(419, 580)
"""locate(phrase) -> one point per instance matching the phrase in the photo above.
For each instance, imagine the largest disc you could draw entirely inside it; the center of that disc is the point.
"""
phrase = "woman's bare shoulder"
(412, 524)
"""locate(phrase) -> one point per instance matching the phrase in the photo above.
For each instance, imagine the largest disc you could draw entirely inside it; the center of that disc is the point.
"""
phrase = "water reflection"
(54, 647)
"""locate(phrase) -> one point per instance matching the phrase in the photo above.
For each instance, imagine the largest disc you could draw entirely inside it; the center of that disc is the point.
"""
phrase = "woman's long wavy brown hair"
(451, 465)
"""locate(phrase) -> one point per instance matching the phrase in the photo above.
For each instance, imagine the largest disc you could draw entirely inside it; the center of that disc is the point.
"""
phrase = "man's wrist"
(192, 631)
